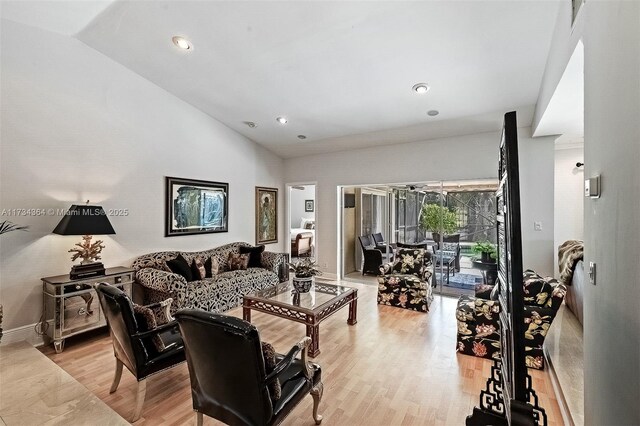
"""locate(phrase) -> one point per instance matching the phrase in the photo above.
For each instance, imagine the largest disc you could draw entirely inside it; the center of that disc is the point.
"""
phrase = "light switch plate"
(592, 187)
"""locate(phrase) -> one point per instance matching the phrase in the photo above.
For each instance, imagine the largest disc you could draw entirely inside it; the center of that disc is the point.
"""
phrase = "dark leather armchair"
(372, 256)
(229, 380)
(381, 244)
(301, 246)
(135, 348)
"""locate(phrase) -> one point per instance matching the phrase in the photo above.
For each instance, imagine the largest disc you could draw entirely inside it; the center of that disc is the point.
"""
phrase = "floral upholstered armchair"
(478, 325)
(406, 282)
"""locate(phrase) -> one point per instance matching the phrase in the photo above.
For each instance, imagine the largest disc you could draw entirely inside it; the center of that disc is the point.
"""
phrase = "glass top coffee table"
(309, 308)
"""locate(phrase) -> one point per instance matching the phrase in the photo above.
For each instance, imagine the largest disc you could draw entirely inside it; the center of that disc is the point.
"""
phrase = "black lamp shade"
(84, 220)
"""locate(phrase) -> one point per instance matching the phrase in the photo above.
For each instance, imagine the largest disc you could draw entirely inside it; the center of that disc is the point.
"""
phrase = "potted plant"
(486, 250)
(438, 219)
(5, 227)
(304, 270)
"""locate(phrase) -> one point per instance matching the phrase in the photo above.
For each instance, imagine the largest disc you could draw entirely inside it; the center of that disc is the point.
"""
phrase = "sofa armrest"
(386, 268)
(166, 282)
(276, 262)
(486, 310)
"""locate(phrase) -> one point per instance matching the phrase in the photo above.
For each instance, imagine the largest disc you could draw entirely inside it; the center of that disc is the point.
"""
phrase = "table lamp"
(86, 221)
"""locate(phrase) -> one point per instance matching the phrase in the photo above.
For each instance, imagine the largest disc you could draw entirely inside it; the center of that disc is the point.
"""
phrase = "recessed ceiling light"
(182, 42)
(421, 88)
(433, 113)
(250, 124)
(302, 137)
(282, 120)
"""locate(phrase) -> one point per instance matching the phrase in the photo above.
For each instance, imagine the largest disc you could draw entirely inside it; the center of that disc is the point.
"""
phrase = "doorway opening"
(447, 218)
(302, 221)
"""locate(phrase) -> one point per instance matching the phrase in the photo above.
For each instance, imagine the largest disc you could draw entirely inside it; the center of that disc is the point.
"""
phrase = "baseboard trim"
(25, 333)
(557, 389)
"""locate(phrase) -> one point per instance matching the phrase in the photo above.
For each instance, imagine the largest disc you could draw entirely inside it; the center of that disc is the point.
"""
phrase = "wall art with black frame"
(195, 207)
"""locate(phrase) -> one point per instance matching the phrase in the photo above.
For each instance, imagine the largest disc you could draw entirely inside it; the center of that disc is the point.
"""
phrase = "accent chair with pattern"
(406, 282)
(478, 323)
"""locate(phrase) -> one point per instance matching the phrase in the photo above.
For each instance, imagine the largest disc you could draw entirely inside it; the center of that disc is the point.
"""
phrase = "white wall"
(298, 197)
(568, 199)
(612, 224)
(76, 126)
(462, 157)
(563, 43)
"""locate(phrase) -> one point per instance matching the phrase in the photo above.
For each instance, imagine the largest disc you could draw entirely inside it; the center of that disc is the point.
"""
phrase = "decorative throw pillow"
(207, 268)
(269, 355)
(146, 320)
(238, 261)
(409, 261)
(255, 255)
(308, 225)
(200, 271)
(180, 266)
(215, 266)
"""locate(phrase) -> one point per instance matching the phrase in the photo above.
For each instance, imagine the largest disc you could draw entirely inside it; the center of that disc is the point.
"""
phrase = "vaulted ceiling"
(340, 72)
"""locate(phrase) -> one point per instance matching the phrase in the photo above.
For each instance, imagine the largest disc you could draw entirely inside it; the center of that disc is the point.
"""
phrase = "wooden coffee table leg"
(313, 331)
(246, 314)
(353, 312)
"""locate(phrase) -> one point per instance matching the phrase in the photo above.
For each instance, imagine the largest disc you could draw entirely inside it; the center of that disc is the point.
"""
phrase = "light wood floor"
(394, 367)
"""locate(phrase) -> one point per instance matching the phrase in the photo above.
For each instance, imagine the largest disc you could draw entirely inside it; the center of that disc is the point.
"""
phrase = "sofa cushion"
(197, 269)
(180, 266)
(238, 261)
(255, 255)
(215, 266)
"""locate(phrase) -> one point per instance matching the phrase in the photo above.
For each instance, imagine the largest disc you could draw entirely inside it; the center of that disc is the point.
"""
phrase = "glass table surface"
(320, 294)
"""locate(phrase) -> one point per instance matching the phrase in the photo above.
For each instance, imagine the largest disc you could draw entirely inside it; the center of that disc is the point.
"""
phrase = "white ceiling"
(341, 72)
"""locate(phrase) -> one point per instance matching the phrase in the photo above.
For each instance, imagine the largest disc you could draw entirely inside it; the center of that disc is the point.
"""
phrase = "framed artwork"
(308, 205)
(266, 215)
(195, 207)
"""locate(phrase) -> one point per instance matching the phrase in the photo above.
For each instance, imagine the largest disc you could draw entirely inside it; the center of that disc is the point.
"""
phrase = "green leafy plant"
(304, 268)
(485, 247)
(436, 218)
(6, 226)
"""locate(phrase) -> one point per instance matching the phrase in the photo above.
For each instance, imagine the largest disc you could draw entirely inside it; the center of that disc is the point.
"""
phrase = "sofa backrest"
(158, 259)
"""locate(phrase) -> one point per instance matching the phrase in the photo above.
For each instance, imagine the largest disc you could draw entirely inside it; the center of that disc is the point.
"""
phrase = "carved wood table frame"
(292, 309)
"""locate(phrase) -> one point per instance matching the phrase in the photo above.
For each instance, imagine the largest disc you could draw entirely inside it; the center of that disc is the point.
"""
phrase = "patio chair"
(381, 244)
(372, 256)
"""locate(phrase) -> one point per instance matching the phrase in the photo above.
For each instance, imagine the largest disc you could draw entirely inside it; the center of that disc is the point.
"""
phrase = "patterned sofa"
(478, 323)
(406, 283)
(217, 294)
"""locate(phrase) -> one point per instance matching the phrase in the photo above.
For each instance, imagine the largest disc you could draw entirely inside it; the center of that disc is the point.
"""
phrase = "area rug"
(460, 280)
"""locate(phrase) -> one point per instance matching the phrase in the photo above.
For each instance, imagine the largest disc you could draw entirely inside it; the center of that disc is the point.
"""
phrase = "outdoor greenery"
(304, 268)
(435, 218)
(485, 247)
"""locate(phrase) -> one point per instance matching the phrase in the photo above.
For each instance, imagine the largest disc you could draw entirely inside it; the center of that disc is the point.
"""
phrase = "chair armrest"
(487, 310)
(273, 261)
(158, 329)
(288, 359)
(162, 311)
(385, 268)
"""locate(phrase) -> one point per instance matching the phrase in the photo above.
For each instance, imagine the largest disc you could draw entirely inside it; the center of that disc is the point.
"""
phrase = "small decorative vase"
(486, 257)
(302, 285)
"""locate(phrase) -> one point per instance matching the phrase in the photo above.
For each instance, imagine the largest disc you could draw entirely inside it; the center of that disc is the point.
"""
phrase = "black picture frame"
(195, 207)
(309, 205)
